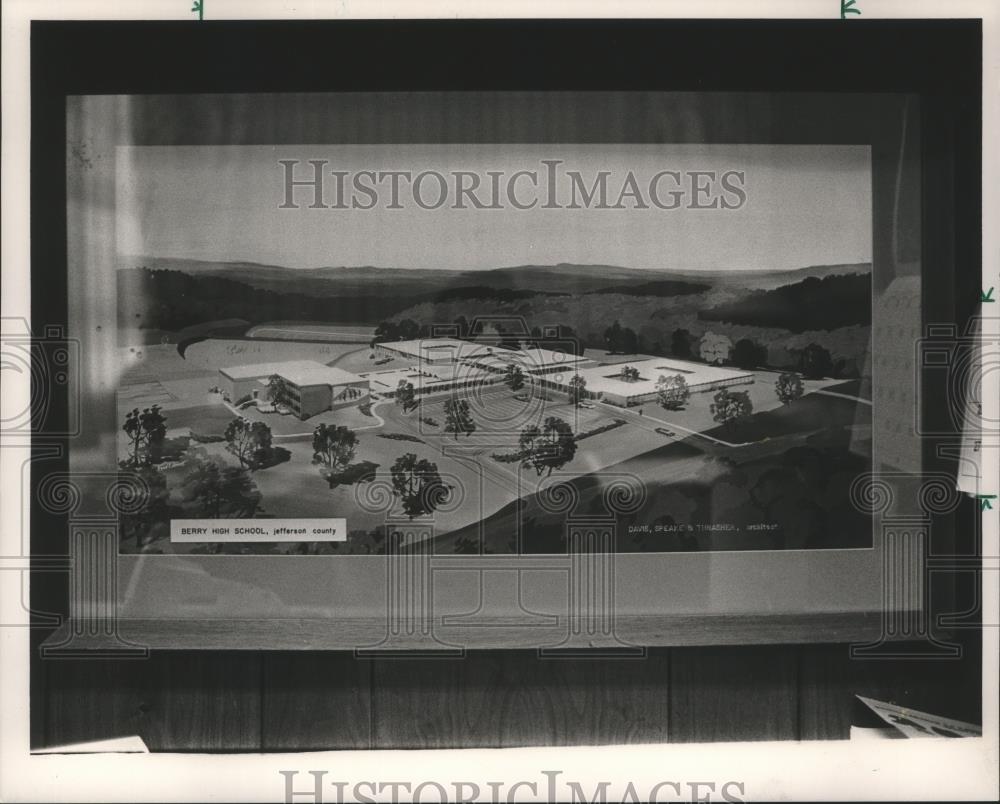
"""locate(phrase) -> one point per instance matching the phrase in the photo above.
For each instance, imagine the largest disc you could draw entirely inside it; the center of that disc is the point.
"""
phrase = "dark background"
(276, 701)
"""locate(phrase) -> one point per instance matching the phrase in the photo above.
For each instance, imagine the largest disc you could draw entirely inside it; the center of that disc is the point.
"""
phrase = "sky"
(805, 205)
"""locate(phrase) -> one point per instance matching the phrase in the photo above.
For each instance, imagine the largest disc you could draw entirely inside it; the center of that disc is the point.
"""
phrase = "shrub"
(207, 438)
(401, 437)
(603, 428)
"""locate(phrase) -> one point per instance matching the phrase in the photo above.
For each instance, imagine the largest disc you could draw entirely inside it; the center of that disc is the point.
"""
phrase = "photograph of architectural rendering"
(397, 361)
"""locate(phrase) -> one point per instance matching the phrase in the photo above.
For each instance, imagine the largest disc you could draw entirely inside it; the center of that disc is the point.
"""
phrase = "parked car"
(666, 432)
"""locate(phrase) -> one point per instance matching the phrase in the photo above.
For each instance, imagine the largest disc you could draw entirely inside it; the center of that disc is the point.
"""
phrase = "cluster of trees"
(680, 343)
(629, 374)
(731, 408)
(333, 450)
(405, 330)
(828, 303)
(210, 488)
(250, 442)
(814, 361)
(621, 340)
(416, 481)
(178, 300)
(664, 287)
(547, 448)
(146, 431)
(218, 490)
(418, 484)
(748, 354)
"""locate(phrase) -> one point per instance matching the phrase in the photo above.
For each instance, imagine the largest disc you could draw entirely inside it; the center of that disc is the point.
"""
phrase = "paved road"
(650, 423)
(862, 400)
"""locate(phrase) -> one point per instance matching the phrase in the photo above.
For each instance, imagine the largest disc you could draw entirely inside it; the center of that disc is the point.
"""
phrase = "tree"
(277, 390)
(561, 338)
(408, 329)
(154, 507)
(526, 442)
(680, 343)
(333, 449)
(629, 341)
(418, 485)
(406, 396)
(249, 441)
(815, 362)
(715, 348)
(146, 432)
(748, 354)
(788, 387)
(514, 378)
(386, 331)
(457, 418)
(630, 374)
(216, 490)
(731, 408)
(577, 389)
(613, 338)
(550, 448)
(462, 327)
(569, 334)
(672, 392)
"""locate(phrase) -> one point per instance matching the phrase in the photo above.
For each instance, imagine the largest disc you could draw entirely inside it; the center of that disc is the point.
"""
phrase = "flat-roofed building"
(608, 383)
(425, 352)
(534, 361)
(312, 387)
(430, 380)
(422, 351)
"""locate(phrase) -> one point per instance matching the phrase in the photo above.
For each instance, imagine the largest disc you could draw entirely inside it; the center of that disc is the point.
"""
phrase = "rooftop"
(485, 353)
(419, 347)
(424, 377)
(297, 372)
(608, 379)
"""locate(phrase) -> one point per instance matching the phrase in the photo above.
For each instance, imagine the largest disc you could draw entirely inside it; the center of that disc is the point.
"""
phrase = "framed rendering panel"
(443, 369)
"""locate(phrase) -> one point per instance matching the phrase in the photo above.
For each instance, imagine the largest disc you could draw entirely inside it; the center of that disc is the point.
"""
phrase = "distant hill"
(560, 278)
(666, 287)
(814, 303)
(163, 295)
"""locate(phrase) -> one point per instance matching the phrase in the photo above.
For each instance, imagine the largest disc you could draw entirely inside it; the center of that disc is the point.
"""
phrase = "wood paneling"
(316, 700)
(830, 679)
(175, 701)
(723, 694)
(509, 698)
(299, 700)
